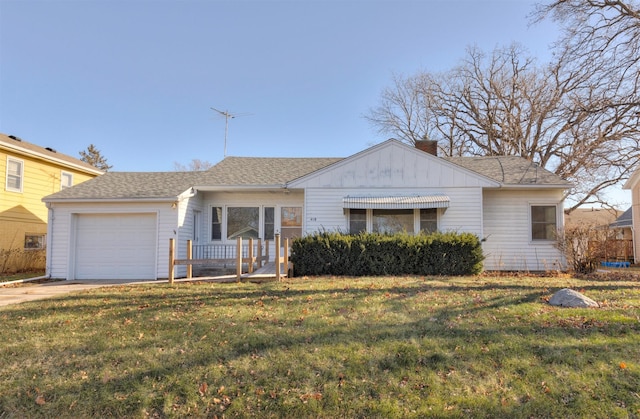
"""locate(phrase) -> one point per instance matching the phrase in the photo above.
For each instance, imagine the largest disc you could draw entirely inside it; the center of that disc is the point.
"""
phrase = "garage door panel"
(116, 246)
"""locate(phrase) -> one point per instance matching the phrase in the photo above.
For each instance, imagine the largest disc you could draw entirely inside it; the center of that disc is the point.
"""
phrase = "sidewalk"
(37, 291)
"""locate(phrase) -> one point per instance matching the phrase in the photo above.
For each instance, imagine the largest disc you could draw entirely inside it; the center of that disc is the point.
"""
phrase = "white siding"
(392, 165)
(184, 231)
(507, 229)
(60, 251)
(324, 209)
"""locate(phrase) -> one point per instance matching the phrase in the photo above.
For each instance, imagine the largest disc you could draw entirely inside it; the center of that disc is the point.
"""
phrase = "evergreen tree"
(93, 156)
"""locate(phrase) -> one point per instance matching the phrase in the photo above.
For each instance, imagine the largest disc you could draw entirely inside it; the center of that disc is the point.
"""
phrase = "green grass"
(325, 347)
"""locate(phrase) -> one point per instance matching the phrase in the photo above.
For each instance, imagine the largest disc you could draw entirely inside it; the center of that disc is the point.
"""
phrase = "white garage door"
(115, 246)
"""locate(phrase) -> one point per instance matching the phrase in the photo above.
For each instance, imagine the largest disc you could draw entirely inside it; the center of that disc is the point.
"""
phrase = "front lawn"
(325, 347)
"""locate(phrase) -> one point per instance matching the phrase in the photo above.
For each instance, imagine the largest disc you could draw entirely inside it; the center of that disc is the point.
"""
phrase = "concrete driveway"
(13, 294)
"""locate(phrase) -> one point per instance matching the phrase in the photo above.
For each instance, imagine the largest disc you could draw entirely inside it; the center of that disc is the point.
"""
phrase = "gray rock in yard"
(569, 298)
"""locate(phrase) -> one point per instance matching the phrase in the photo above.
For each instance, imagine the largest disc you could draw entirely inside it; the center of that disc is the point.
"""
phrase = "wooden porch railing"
(237, 254)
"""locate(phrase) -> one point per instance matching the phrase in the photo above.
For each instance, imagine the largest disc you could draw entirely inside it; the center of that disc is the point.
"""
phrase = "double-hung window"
(15, 175)
(291, 220)
(543, 222)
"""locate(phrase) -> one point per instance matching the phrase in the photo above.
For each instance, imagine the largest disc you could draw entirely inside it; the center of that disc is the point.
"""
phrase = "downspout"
(633, 243)
(50, 219)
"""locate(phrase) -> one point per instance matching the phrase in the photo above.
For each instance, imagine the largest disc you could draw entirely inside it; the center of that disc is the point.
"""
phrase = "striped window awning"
(396, 202)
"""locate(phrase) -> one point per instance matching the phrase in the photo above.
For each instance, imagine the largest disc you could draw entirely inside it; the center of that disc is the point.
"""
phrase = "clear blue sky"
(137, 78)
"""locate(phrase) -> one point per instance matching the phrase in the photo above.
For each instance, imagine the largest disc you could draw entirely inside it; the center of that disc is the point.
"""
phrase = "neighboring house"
(623, 225)
(590, 217)
(634, 185)
(119, 224)
(31, 172)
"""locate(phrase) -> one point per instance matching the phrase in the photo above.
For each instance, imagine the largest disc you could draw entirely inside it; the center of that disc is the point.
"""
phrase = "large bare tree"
(577, 119)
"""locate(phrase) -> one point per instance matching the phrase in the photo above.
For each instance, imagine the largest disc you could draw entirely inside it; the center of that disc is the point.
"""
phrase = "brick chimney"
(428, 146)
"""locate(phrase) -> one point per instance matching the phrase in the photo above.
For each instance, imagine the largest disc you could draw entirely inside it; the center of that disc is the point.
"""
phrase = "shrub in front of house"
(331, 253)
(21, 260)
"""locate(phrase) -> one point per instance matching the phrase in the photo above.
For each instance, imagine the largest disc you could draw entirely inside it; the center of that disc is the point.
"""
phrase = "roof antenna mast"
(226, 114)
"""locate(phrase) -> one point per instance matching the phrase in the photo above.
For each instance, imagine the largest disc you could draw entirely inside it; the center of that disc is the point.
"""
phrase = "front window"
(391, 221)
(34, 241)
(269, 223)
(543, 222)
(428, 220)
(243, 222)
(216, 223)
(14, 175)
(291, 222)
(66, 180)
(357, 221)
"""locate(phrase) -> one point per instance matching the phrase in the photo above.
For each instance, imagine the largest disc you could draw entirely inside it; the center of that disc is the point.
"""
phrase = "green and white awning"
(396, 202)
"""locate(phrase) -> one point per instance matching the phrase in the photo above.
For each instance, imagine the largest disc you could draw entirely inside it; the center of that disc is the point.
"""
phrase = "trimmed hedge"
(373, 254)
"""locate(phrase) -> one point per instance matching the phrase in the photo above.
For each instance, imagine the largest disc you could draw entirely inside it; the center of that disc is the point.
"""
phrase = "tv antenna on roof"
(226, 114)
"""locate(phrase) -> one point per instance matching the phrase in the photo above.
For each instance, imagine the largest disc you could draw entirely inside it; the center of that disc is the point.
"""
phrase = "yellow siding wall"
(24, 212)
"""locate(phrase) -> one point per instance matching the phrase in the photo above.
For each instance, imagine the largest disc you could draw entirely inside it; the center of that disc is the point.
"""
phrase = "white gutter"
(209, 188)
(115, 200)
(47, 157)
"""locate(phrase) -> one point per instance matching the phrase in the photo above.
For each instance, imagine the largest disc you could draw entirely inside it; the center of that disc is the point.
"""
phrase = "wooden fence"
(612, 250)
(237, 254)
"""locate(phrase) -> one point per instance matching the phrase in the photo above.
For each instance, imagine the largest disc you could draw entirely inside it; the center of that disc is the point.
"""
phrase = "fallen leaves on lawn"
(203, 388)
(310, 396)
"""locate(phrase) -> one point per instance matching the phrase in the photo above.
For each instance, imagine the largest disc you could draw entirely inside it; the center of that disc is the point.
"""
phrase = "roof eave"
(537, 186)
(225, 188)
(61, 162)
(109, 200)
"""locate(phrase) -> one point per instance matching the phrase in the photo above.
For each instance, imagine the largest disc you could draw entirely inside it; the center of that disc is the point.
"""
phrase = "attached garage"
(115, 246)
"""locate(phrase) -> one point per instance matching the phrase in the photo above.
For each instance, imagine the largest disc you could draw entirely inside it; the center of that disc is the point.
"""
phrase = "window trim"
(20, 175)
(64, 173)
(224, 219)
(42, 240)
(556, 221)
(369, 219)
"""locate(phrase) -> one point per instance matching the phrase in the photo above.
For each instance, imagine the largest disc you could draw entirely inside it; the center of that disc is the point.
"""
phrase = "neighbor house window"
(269, 223)
(291, 222)
(243, 222)
(216, 223)
(357, 221)
(429, 220)
(34, 241)
(66, 180)
(391, 221)
(543, 222)
(15, 169)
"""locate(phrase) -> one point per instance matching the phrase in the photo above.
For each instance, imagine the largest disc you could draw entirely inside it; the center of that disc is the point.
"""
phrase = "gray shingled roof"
(29, 148)
(268, 171)
(509, 170)
(624, 220)
(138, 185)
(244, 171)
